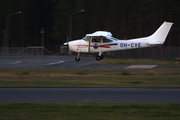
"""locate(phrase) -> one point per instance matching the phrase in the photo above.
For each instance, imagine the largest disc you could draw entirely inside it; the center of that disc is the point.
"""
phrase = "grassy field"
(162, 63)
(89, 111)
(89, 78)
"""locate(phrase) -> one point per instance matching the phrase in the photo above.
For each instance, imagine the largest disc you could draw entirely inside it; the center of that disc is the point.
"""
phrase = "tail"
(159, 37)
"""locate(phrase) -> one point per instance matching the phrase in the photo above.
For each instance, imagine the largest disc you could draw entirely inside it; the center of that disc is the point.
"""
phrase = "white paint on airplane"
(102, 41)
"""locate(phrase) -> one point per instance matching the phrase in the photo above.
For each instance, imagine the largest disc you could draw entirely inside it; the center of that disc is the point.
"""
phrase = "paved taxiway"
(64, 62)
(87, 95)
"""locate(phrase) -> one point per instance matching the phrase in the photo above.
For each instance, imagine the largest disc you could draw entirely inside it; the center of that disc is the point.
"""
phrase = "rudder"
(161, 33)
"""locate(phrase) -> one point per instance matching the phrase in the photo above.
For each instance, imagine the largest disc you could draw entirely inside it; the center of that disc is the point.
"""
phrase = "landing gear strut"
(77, 59)
(99, 56)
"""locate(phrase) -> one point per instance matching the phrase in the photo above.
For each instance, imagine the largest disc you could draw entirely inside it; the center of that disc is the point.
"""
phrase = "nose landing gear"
(77, 59)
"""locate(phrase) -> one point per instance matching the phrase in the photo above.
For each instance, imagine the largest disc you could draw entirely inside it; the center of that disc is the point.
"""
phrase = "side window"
(106, 40)
(96, 40)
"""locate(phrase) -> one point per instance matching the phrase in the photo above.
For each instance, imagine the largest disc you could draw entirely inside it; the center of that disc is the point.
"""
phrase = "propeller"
(67, 43)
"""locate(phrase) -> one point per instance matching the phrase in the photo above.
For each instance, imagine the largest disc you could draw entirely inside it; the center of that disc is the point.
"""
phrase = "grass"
(89, 111)
(90, 78)
(162, 63)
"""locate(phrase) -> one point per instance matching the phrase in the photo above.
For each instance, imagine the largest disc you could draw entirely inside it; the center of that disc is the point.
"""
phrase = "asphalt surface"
(64, 62)
(80, 95)
(89, 95)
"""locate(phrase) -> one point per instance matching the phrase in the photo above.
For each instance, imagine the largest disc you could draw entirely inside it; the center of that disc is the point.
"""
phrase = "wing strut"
(89, 45)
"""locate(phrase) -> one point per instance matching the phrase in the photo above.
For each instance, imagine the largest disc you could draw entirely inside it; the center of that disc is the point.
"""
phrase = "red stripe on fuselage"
(105, 46)
(83, 45)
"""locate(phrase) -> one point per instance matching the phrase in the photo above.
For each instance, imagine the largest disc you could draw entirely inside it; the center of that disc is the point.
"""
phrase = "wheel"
(102, 56)
(77, 59)
(98, 58)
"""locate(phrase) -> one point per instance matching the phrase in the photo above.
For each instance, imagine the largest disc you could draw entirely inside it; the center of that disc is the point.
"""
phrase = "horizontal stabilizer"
(155, 43)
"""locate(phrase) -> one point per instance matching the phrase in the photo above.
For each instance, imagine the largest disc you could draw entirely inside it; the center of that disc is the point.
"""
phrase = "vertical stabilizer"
(161, 33)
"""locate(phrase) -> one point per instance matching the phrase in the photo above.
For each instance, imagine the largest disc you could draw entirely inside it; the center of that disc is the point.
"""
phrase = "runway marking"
(16, 62)
(142, 66)
(56, 63)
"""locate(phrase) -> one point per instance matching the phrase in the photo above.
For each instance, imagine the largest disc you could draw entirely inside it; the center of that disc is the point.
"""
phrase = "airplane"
(102, 41)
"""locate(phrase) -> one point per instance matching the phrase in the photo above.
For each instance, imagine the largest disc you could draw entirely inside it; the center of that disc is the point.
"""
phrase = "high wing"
(100, 34)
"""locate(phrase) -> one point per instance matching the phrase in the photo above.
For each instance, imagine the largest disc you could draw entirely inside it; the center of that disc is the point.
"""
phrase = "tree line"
(125, 19)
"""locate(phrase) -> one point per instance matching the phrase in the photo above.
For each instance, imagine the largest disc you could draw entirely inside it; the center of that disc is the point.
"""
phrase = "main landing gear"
(99, 57)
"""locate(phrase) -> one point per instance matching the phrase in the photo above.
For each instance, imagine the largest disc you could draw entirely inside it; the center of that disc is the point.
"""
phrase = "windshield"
(86, 38)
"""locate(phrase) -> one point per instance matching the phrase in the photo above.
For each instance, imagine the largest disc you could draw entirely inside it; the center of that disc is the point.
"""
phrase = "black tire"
(77, 59)
(98, 58)
(102, 56)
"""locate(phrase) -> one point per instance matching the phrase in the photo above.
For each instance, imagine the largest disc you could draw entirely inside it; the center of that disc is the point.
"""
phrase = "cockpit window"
(96, 40)
(114, 38)
(86, 39)
(106, 40)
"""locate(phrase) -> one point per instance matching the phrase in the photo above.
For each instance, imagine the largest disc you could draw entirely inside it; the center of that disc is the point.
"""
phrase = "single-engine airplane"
(102, 41)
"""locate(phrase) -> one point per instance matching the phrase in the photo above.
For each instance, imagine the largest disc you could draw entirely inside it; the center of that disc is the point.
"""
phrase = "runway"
(65, 62)
(89, 95)
(80, 95)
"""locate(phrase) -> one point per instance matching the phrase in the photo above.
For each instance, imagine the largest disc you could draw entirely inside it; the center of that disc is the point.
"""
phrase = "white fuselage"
(82, 46)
